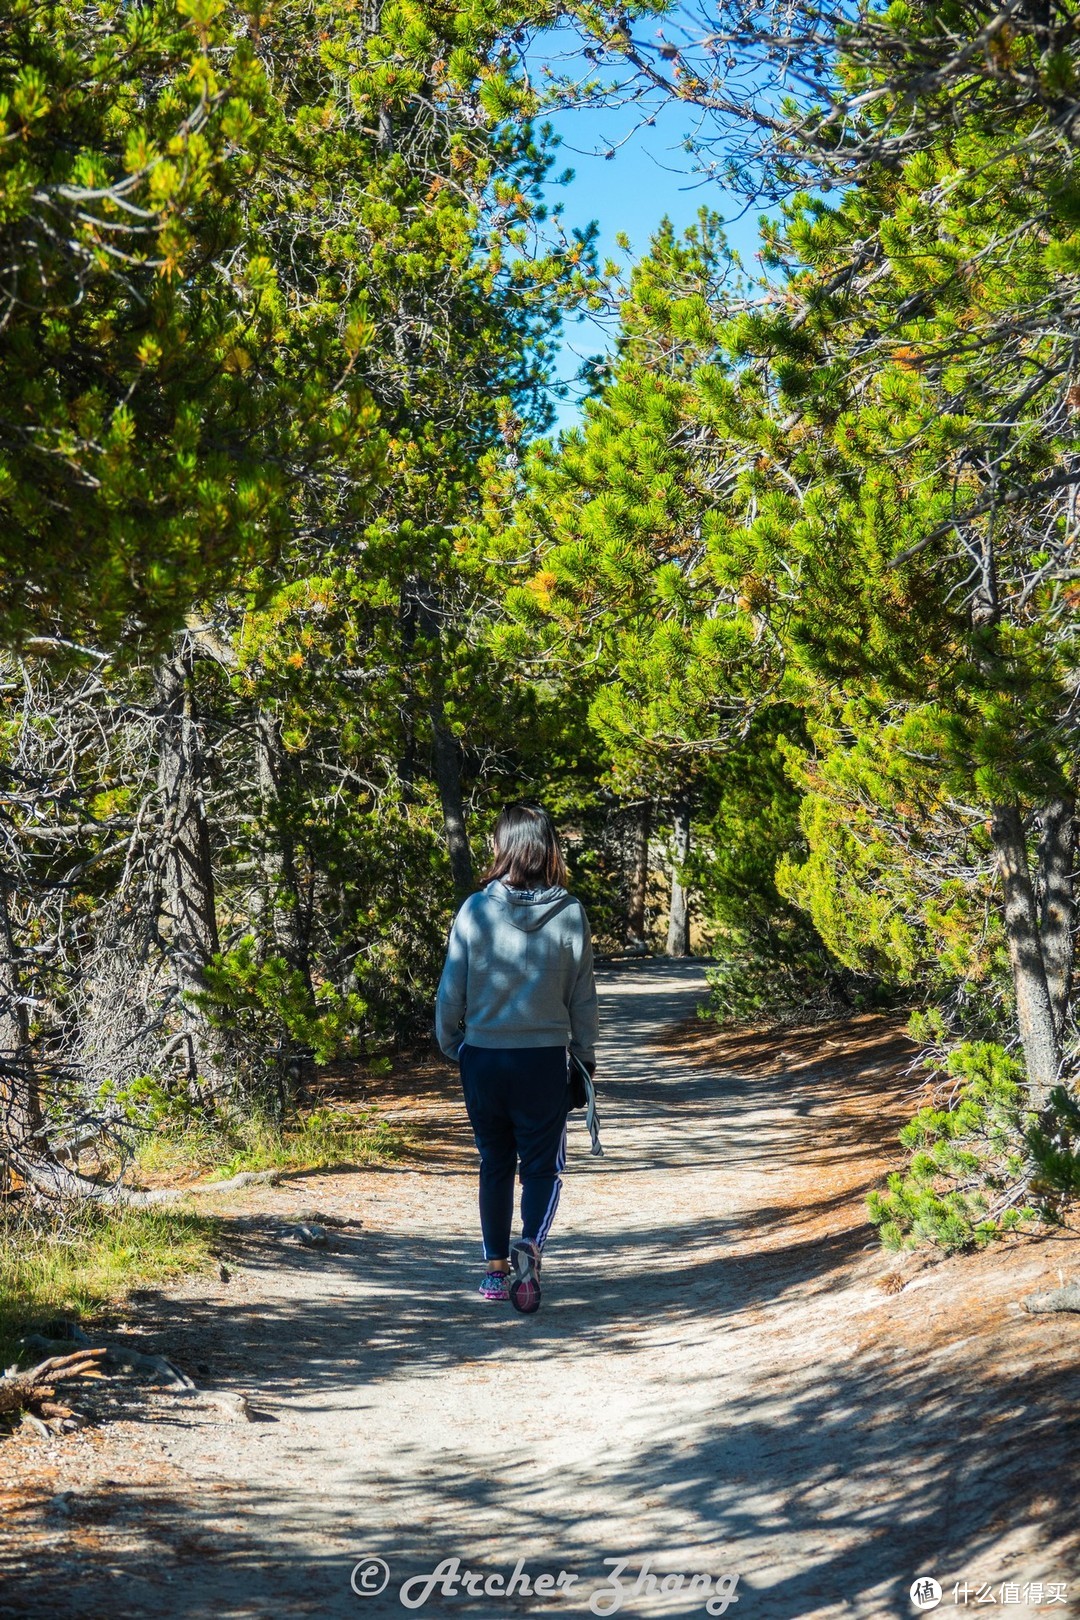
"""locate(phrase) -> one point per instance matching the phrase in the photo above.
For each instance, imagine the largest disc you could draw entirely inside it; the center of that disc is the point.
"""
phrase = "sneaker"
(494, 1287)
(525, 1288)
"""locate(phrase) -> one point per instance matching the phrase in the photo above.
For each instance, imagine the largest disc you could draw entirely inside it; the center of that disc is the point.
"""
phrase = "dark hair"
(527, 853)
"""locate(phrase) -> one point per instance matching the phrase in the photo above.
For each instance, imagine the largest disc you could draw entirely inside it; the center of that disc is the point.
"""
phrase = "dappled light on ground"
(717, 1379)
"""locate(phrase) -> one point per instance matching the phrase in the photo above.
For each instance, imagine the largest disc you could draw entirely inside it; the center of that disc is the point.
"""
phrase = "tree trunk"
(286, 924)
(22, 1126)
(285, 912)
(638, 864)
(445, 750)
(24, 1143)
(407, 611)
(678, 937)
(384, 140)
(1057, 848)
(447, 758)
(188, 907)
(1034, 1010)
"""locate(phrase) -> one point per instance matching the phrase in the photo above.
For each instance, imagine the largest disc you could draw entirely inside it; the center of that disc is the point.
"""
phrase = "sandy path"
(715, 1382)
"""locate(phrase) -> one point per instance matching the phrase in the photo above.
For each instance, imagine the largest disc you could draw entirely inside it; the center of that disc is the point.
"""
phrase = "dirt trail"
(716, 1382)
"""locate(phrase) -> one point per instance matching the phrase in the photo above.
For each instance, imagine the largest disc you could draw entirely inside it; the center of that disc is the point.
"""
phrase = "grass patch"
(79, 1260)
(316, 1141)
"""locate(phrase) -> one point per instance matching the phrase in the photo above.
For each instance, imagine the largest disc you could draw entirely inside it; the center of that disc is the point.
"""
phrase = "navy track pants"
(517, 1099)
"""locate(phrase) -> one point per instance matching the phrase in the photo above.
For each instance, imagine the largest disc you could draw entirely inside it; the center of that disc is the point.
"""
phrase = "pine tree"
(242, 856)
(628, 522)
(156, 420)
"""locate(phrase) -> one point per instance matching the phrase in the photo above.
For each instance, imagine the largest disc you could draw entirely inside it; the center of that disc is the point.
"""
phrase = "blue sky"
(650, 176)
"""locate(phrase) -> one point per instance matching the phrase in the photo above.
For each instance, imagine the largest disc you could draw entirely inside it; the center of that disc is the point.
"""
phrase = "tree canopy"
(297, 590)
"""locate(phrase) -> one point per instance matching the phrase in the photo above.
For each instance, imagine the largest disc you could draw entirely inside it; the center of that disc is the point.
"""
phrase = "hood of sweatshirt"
(528, 909)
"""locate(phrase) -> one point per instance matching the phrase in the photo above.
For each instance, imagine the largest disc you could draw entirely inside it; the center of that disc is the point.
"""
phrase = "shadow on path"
(694, 1388)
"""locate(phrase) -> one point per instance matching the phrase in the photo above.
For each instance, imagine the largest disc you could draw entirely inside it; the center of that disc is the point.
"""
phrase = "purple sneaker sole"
(493, 1290)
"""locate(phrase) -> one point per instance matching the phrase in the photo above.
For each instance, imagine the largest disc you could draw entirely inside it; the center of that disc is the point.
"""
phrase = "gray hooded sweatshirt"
(519, 972)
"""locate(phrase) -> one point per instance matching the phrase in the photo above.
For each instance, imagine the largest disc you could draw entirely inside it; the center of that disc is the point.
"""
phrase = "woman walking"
(516, 998)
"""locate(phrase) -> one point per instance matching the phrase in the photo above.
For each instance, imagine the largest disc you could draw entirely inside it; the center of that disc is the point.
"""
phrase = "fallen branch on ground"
(56, 1180)
(124, 1358)
(35, 1391)
(246, 1178)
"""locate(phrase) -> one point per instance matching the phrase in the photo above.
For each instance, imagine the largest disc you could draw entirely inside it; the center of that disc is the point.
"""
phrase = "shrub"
(1054, 1145)
(797, 984)
(966, 1181)
(270, 1024)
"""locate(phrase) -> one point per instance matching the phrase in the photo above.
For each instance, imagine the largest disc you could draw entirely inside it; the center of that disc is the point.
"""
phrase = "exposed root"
(51, 1179)
(35, 1391)
(124, 1358)
(48, 1176)
(246, 1178)
(109, 1358)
